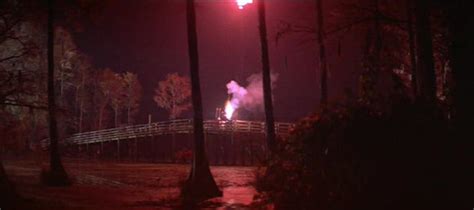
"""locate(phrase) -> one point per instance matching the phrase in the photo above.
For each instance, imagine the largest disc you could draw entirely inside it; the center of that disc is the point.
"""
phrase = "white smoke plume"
(250, 97)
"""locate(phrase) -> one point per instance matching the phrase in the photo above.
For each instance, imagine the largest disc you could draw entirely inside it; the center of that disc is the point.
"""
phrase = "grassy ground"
(110, 185)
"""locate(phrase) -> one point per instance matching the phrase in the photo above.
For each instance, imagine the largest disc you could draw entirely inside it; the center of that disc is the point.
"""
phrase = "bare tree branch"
(33, 106)
(12, 57)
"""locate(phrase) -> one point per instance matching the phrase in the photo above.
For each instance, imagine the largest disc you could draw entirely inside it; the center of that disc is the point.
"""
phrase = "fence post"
(101, 148)
(136, 149)
(118, 150)
(232, 148)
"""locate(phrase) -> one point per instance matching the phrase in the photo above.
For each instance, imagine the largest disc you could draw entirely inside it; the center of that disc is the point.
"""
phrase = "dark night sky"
(148, 37)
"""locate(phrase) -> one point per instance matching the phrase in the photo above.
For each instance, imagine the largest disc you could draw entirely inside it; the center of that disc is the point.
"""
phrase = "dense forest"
(400, 138)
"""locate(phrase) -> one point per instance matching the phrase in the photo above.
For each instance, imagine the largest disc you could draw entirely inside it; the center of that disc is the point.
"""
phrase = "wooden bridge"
(227, 142)
(171, 127)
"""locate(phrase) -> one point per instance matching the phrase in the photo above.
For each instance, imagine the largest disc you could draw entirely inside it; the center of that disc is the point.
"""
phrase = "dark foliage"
(360, 157)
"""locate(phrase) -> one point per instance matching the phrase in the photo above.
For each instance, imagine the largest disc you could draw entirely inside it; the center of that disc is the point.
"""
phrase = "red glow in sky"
(242, 3)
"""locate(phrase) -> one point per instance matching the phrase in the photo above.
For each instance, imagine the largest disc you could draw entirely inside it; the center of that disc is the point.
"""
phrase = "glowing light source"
(229, 110)
(242, 3)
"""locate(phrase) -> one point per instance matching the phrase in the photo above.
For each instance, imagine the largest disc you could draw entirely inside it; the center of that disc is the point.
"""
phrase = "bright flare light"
(242, 3)
(229, 110)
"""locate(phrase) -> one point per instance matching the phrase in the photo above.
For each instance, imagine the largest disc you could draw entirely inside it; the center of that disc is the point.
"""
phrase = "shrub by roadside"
(361, 157)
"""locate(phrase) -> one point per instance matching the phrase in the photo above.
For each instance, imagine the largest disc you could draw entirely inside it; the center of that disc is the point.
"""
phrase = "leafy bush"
(361, 157)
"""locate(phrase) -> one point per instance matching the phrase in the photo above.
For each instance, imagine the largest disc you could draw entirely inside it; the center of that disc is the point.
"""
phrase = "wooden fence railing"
(169, 127)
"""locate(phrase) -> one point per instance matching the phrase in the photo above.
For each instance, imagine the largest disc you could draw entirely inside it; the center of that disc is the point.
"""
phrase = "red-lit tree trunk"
(412, 46)
(426, 79)
(372, 58)
(81, 115)
(129, 114)
(101, 115)
(200, 184)
(57, 176)
(80, 97)
(8, 194)
(116, 113)
(267, 89)
(378, 40)
(461, 23)
(322, 53)
(81, 112)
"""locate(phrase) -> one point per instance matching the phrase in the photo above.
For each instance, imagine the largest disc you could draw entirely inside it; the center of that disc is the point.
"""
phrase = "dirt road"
(110, 185)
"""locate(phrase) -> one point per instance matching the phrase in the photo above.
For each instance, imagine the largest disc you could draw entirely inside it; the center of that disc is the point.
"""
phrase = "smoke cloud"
(251, 96)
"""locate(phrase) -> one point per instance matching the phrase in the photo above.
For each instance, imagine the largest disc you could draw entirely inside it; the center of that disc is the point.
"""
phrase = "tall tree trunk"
(373, 48)
(173, 117)
(173, 134)
(101, 115)
(116, 116)
(267, 89)
(81, 101)
(30, 139)
(461, 23)
(378, 40)
(129, 117)
(76, 98)
(8, 195)
(322, 53)
(76, 106)
(57, 176)
(7, 192)
(426, 79)
(200, 184)
(81, 114)
(61, 71)
(412, 46)
(129, 105)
